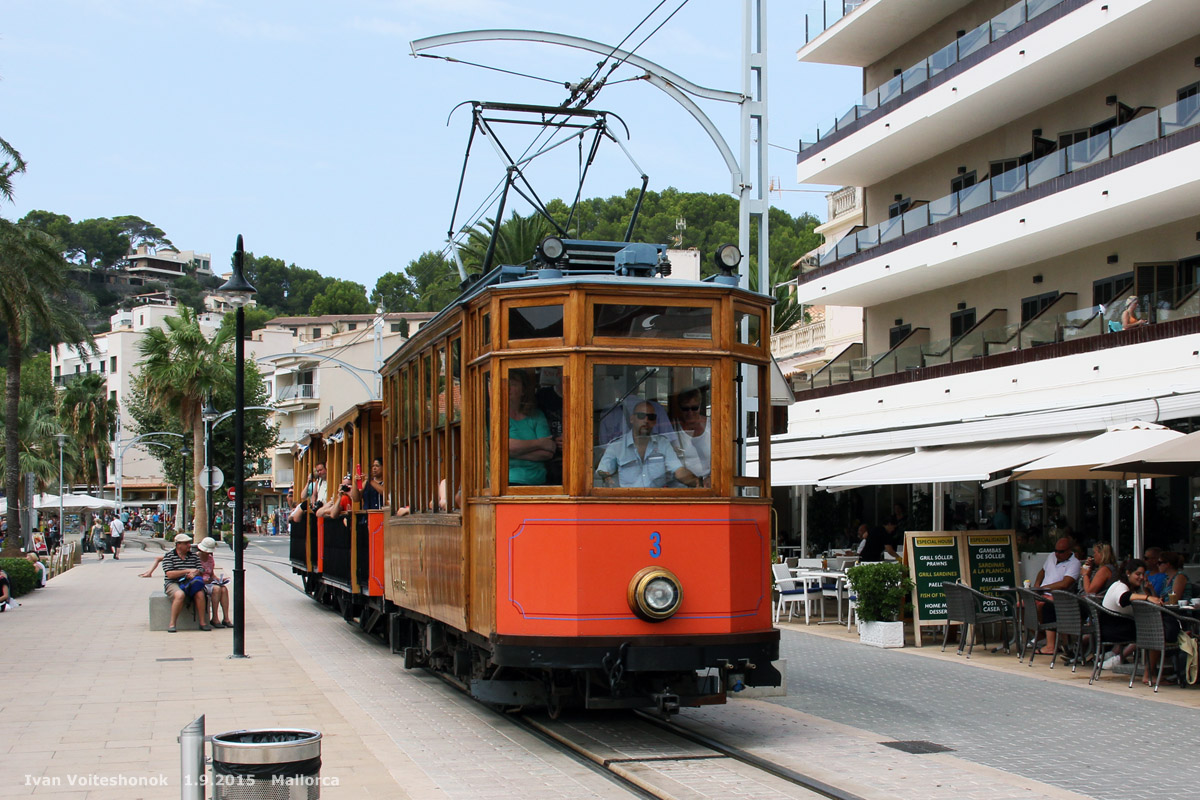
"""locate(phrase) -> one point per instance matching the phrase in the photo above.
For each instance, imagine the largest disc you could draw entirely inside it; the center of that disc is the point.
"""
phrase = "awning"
(979, 462)
(1077, 462)
(809, 471)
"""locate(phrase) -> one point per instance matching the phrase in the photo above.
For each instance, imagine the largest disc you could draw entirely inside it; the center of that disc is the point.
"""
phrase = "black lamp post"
(238, 291)
(208, 414)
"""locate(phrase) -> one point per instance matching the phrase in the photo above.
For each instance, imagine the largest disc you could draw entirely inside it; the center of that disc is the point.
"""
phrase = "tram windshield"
(651, 426)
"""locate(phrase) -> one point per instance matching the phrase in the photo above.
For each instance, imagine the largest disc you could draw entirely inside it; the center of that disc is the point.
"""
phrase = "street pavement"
(91, 697)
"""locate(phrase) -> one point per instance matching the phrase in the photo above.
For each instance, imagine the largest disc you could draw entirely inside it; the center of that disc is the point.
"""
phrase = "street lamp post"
(62, 534)
(239, 291)
(208, 414)
(183, 508)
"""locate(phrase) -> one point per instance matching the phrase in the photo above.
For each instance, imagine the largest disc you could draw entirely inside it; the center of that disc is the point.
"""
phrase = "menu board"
(991, 563)
(933, 558)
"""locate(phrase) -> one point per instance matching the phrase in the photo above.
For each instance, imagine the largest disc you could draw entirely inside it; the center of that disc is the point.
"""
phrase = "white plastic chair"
(793, 590)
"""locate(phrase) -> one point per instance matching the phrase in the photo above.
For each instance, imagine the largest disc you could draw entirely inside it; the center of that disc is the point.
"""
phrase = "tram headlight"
(727, 258)
(655, 594)
(551, 250)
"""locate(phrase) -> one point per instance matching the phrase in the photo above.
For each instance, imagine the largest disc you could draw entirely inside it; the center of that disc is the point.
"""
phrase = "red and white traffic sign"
(232, 493)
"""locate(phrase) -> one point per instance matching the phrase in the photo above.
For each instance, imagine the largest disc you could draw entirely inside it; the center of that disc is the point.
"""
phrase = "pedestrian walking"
(116, 531)
(97, 535)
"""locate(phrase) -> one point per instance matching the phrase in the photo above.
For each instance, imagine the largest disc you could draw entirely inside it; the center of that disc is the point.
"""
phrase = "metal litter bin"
(267, 765)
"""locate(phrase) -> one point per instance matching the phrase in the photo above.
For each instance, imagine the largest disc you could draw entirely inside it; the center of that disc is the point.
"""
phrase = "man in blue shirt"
(641, 458)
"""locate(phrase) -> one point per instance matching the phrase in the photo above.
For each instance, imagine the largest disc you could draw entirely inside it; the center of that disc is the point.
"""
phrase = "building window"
(113, 395)
(962, 181)
(1068, 138)
(1188, 91)
(353, 326)
(76, 369)
(1104, 291)
(899, 207)
(898, 334)
(961, 322)
(102, 366)
(316, 333)
(1155, 284)
(1032, 306)
(89, 367)
(112, 364)
(395, 327)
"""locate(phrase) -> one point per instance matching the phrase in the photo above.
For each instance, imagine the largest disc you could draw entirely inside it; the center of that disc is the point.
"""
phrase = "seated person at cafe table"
(1131, 584)
(1061, 571)
(880, 539)
(641, 458)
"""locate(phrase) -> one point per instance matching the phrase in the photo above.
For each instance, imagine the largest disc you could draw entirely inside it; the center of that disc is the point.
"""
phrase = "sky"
(310, 129)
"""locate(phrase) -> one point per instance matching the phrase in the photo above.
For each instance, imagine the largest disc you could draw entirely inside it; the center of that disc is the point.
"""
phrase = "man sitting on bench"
(182, 563)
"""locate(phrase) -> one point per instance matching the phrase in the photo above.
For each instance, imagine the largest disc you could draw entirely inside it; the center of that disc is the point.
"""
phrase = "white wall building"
(1027, 167)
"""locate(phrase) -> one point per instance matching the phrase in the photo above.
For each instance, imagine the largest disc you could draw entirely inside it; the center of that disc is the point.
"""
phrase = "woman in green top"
(529, 441)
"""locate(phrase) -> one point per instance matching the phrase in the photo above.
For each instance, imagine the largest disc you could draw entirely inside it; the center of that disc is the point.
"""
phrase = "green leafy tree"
(180, 367)
(37, 446)
(97, 243)
(89, 416)
(429, 283)
(341, 297)
(255, 317)
(395, 291)
(140, 232)
(284, 287)
(35, 295)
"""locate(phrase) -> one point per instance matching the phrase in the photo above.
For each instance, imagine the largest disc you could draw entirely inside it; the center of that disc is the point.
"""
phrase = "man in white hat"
(182, 564)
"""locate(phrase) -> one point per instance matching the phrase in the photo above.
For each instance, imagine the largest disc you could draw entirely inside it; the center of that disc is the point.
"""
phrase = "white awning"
(980, 462)
(809, 471)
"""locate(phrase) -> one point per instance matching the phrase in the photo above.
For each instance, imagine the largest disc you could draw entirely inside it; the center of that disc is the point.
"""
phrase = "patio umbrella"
(86, 501)
(1077, 462)
(1177, 456)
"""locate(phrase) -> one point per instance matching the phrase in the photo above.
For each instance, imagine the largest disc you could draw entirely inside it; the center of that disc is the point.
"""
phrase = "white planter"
(881, 634)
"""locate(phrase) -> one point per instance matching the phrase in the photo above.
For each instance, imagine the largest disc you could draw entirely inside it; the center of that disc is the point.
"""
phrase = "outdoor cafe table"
(839, 582)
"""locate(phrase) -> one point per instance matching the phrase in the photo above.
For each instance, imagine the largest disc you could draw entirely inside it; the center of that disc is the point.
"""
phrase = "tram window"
(748, 393)
(747, 328)
(456, 379)
(535, 426)
(485, 329)
(652, 321)
(535, 322)
(486, 478)
(652, 426)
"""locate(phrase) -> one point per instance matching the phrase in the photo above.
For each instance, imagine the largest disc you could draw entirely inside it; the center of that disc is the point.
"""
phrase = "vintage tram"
(568, 520)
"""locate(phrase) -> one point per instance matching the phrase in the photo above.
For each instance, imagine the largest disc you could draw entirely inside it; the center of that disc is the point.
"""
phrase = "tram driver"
(642, 458)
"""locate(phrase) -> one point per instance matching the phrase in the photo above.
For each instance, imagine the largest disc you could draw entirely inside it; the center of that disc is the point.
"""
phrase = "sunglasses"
(643, 415)
(689, 409)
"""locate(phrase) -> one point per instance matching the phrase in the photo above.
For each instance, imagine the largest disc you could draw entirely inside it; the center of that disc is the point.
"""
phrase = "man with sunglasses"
(1061, 571)
(693, 434)
(641, 458)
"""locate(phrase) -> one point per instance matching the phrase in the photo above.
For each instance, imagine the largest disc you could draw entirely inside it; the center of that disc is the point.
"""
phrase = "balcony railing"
(1093, 150)
(798, 340)
(831, 12)
(298, 391)
(1046, 329)
(971, 42)
(283, 477)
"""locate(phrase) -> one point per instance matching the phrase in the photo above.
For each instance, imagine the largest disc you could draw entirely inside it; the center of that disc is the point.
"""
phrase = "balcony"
(798, 340)
(1028, 57)
(1054, 326)
(874, 29)
(297, 393)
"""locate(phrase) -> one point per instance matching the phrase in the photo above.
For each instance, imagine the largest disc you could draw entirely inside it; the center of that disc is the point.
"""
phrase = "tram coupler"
(666, 703)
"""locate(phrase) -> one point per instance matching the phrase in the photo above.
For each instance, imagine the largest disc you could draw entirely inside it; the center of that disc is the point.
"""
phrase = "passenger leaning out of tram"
(641, 458)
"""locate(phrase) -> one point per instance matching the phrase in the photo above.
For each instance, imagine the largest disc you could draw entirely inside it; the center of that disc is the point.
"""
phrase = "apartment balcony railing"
(298, 391)
(971, 42)
(283, 477)
(1093, 150)
(289, 435)
(1046, 329)
(846, 200)
(798, 340)
(831, 12)
(71, 377)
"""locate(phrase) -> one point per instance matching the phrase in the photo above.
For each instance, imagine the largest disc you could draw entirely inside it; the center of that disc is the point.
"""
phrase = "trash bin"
(267, 765)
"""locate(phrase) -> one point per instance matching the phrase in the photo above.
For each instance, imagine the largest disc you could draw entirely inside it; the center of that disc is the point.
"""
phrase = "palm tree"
(515, 244)
(12, 165)
(36, 295)
(180, 366)
(89, 416)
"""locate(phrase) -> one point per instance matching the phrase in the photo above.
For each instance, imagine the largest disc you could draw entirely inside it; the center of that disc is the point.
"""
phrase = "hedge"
(21, 575)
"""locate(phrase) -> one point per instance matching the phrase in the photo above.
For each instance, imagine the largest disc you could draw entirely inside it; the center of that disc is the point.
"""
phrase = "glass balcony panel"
(914, 76)
(943, 208)
(847, 118)
(1134, 133)
(937, 352)
(805, 145)
(1082, 323)
(974, 197)
(1046, 168)
(1090, 151)
(891, 89)
(973, 40)
(908, 358)
(885, 365)
(1001, 340)
(968, 346)
(1008, 19)
(870, 100)
(1186, 305)
(1038, 332)
(1008, 183)
(1178, 116)
(915, 218)
(839, 373)
(830, 131)
(867, 237)
(861, 368)
(891, 229)
(847, 247)
(943, 59)
(1036, 7)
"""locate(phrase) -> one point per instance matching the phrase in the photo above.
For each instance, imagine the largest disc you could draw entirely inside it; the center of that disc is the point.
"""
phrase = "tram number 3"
(655, 544)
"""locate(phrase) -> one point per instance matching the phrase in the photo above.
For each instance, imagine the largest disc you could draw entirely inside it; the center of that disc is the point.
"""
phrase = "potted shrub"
(881, 589)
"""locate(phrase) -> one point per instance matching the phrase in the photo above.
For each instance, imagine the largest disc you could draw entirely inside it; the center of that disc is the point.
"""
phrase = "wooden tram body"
(530, 594)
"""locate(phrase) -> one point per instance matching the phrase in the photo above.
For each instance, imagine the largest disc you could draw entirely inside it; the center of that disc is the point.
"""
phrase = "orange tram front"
(567, 521)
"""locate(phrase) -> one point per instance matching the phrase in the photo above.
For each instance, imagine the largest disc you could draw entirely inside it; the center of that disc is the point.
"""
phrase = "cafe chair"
(1069, 613)
(1031, 622)
(1148, 620)
(810, 563)
(957, 612)
(793, 590)
(972, 605)
(1101, 643)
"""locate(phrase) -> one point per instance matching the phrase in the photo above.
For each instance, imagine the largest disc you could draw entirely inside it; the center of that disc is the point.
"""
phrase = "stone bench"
(160, 614)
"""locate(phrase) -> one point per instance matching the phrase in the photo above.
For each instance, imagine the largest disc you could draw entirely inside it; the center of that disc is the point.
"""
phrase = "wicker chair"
(1069, 613)
(965, 605)
(976, 600)
(1092, 625)
(1151, 635)
(1031, 623)
(958, 610)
